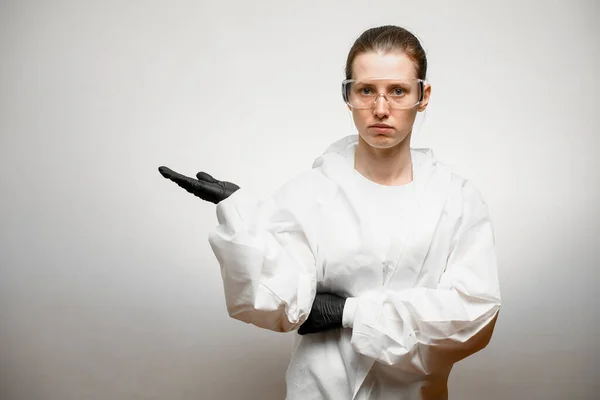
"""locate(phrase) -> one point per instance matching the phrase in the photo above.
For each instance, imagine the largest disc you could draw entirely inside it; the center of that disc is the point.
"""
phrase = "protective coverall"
(416, 262)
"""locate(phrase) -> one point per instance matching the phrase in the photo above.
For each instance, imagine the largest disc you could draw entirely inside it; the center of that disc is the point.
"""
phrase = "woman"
(380, 256)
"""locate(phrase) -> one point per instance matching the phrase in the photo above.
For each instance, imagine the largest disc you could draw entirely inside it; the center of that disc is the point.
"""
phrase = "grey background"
(108, 287)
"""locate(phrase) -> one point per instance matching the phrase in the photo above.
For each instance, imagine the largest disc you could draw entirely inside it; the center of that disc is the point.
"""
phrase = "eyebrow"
(385, 79)
(387, 84)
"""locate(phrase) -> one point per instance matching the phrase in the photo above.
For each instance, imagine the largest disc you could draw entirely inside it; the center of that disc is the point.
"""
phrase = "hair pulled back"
(388, 39)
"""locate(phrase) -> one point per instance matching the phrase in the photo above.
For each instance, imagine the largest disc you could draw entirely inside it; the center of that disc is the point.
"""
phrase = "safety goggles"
(399, 93)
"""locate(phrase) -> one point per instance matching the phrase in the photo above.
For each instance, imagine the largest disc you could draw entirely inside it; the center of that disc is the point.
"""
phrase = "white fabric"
(417, 263)
(349, 311)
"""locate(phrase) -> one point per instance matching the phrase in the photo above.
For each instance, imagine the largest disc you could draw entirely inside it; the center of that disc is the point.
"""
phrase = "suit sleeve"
(422, 330)
(268, 256)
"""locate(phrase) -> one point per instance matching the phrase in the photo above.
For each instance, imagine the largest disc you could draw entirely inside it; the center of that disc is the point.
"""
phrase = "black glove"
(206, 187)
(326, 314)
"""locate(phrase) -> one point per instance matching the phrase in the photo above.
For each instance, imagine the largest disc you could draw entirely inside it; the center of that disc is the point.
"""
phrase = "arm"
(267, 260)
(267, 255)
(421, 330)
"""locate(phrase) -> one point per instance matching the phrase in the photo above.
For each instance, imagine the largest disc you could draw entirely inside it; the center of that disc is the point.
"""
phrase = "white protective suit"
(416, 262)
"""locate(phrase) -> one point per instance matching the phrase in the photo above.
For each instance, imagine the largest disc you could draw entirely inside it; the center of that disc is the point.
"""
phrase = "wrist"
(349, 311)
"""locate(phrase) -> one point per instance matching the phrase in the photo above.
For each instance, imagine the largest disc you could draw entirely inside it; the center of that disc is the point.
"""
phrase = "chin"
(382, 141)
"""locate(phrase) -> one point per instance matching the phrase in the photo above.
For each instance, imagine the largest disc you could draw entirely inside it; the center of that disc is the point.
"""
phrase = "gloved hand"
(326, 314)
(206, 187)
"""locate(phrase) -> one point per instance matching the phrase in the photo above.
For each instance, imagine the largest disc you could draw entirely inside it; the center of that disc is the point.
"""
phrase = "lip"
(381, 126)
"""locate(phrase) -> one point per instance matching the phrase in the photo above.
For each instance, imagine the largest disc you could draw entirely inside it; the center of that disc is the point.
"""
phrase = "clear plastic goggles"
(398, 92)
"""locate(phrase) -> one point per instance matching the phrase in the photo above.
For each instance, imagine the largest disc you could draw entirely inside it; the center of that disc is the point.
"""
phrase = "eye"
(398, 92)
(366, 91)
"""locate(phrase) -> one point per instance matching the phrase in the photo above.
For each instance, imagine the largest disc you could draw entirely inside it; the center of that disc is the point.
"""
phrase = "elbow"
(433, 355)
(464, 343)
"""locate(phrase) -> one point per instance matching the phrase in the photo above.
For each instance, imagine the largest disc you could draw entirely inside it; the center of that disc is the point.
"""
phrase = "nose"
(381, 108)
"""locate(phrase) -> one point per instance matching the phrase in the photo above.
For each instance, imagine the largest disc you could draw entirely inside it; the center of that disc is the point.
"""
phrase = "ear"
(426, 95)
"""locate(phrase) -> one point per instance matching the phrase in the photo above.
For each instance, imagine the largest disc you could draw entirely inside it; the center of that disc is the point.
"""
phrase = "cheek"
(406, 117)
(359, 118)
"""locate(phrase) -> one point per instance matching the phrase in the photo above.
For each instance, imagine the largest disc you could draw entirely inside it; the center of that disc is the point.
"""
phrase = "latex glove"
(325, 314)
(206, 187)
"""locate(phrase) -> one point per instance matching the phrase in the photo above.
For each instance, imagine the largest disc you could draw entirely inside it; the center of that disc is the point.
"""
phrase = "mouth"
(381, 128)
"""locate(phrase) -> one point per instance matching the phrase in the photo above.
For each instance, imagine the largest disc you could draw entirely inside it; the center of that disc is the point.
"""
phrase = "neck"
(390, 167)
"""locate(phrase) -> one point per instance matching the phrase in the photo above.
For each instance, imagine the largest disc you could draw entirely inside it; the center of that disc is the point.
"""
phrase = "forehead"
(381, 65)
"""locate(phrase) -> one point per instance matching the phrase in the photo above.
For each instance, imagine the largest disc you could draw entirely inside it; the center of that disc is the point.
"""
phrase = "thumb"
(203, 176)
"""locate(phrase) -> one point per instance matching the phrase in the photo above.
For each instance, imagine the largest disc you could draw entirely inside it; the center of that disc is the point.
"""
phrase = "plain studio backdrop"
(108, 286)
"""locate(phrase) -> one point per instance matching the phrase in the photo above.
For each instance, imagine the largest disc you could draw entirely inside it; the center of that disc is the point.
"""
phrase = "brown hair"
(389, 38)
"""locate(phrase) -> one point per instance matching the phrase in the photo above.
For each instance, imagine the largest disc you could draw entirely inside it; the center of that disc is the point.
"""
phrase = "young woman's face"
(367, 66)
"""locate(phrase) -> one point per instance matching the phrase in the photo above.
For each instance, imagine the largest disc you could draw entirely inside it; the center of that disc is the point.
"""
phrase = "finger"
(168, 172)
(181, 180)
(164, 171)
(203, 176)
(207, 191)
